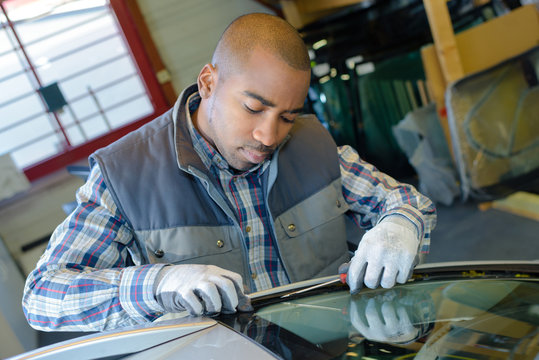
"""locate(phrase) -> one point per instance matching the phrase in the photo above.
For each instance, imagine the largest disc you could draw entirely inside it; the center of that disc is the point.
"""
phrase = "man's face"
(251, 112)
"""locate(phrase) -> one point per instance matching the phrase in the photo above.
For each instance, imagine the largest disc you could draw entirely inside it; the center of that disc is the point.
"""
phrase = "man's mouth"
(255, 156)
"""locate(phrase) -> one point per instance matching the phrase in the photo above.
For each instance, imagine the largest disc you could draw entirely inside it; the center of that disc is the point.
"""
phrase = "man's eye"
(252, 111)
(288, 120)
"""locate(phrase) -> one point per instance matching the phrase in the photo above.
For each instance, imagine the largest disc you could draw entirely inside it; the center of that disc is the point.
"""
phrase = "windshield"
(447, 319)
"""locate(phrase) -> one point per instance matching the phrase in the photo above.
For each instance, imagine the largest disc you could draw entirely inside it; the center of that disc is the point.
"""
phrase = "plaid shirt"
(83, 281)
(246, 196)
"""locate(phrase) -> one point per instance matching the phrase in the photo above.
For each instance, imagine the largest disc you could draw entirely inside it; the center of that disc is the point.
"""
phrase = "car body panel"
(213, 342)
(117, 342)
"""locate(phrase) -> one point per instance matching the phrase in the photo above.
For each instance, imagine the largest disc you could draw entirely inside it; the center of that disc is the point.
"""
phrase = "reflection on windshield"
(394, 316)
(465, 319)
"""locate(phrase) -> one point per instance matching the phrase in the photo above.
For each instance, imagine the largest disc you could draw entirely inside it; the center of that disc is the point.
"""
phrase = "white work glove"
(200, 289)
(385, 254)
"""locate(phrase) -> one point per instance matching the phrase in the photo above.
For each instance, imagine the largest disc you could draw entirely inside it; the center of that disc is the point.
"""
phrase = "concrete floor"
(465, 233)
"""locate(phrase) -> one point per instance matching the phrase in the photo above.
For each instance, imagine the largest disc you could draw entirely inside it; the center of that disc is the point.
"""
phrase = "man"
(231, 188)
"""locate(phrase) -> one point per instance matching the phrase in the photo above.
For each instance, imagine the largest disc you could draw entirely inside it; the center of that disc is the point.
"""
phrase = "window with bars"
(67, 79)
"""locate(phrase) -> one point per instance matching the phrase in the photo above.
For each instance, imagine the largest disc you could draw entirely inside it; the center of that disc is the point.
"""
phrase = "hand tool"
(343, 272)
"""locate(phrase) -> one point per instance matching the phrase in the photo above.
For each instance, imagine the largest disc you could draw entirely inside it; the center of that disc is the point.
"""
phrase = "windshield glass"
(456, 319)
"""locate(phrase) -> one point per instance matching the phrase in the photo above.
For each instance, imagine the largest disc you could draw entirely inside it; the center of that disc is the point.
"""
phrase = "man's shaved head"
(250, 31)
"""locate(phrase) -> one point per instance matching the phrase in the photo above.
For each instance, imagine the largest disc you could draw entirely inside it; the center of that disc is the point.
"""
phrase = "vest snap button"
(159, 253)
(253, 275)
(248, 228)
(338, 204)
(220, 243)
(292, 227)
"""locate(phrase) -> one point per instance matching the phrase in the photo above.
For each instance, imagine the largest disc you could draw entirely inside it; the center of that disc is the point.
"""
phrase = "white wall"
(23, 219)
(17, 335)
(186, 31)
(34, 215)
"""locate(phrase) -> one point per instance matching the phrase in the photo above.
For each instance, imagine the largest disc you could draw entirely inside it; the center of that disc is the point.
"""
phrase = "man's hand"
(385, 254)
(200, 289)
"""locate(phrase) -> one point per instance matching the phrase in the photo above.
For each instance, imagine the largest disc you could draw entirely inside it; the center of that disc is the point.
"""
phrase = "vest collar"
(185, 153)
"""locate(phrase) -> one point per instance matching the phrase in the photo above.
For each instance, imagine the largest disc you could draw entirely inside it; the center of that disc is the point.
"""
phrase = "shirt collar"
(208, 154)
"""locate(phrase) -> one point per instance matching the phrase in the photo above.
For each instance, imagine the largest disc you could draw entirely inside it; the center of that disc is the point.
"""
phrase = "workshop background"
(440, 94)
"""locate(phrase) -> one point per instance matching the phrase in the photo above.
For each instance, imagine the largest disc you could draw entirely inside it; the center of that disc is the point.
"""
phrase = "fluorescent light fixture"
(365, 68)
(320, 43)
(351, 62)
(324, 79)
(321, 69)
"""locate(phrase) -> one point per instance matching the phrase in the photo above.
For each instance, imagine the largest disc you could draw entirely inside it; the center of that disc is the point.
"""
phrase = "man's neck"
(200, 122)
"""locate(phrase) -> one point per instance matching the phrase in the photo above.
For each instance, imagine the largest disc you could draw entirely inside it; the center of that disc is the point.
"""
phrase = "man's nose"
(267, 132)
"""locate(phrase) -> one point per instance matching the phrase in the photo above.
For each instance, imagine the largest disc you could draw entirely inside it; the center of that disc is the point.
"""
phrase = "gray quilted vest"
(180, 215)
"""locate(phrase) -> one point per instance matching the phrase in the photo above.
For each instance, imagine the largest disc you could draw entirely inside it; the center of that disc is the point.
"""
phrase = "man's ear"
(207, 81)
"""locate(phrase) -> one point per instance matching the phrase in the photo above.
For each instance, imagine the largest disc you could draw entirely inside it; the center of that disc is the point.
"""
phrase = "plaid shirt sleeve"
(373, 195)
(81, 282)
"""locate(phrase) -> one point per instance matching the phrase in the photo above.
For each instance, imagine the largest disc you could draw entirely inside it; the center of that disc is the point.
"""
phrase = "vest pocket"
(312, 235)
